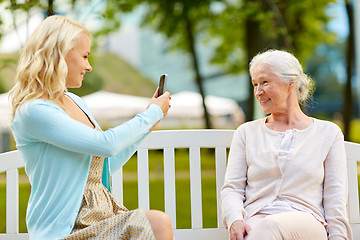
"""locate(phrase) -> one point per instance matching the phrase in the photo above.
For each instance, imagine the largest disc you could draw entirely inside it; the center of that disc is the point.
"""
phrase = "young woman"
(68, 158)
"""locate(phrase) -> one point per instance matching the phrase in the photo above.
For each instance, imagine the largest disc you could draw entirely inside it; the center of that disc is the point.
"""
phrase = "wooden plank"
(220, 165)
(195, 188)
(353, 198)
(199, 234)
(12, 201)
(19, 236)
(353, 156)
(117, 186)
(11, 160)
(169, 184)
(143, 179)
(187, 138)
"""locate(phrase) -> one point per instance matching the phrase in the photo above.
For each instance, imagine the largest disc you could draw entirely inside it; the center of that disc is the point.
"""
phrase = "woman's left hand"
(163, 102)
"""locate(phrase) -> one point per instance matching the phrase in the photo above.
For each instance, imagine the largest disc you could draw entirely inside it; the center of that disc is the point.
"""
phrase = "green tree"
(245, 27)
(110, 16)
(24, 10)
(240, 29)
(182, 22)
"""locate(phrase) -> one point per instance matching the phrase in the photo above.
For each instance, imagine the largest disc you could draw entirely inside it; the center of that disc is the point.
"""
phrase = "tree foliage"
(245, 27)
(237, 29)
(182, 22)
(296, 26)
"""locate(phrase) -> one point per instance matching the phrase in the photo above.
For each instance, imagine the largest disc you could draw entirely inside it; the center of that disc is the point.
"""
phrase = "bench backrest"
(168, 141)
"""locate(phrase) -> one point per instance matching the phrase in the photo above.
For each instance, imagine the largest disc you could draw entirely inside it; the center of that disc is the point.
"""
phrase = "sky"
(13, 40)
(339, 22)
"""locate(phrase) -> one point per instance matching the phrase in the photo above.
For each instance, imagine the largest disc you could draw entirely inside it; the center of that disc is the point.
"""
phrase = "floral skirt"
(101, 216)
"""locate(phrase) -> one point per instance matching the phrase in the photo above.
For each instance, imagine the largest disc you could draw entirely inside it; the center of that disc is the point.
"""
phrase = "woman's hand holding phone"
(162, 101)
(162, 84)
(161, 97)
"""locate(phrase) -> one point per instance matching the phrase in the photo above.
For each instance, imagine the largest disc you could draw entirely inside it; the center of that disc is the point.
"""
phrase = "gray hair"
(287, 67)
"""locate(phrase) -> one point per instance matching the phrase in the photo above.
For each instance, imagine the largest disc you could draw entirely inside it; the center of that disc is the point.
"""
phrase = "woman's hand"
(238, 230)
(162, 101)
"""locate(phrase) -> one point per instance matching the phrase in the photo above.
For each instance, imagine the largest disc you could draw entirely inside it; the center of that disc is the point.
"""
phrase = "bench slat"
(169, 184)
(195, 188)
(220, 166)
(187, 138)
(353, 198)
(200, 234)
(11, 160)
(353, 157)
(12, 201)
(117, 185)
(143, 179)
(11, 236)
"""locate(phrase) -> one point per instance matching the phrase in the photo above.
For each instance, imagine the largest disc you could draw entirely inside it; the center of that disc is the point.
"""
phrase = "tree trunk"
(198, 77)
(253, 47)
(256, 42)
(50, 10)
(347, 110)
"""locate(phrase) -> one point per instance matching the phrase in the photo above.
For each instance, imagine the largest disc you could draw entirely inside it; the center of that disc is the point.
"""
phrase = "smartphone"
(162, 84)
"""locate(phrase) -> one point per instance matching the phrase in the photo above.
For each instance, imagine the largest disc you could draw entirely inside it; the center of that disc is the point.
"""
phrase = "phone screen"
(162, 84)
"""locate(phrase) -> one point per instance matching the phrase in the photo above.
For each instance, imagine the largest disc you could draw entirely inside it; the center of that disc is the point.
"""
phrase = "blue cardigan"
(57, 151)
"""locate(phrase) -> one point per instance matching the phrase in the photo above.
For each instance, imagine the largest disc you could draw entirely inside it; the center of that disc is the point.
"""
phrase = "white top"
(281, 205)
(306, 169)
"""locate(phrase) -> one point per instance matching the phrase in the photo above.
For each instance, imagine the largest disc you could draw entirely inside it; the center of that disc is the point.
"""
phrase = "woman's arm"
(335, 191)
(233, 191)
(120, 159)
(41, 121)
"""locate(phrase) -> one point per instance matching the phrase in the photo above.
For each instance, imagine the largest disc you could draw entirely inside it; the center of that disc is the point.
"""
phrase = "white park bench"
(168, 141)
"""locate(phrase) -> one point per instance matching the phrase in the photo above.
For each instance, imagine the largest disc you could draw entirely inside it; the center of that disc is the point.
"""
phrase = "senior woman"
(286, 176)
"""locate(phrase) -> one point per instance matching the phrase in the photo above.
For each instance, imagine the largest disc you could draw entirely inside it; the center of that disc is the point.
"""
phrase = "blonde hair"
(288, 68)
(42, 70)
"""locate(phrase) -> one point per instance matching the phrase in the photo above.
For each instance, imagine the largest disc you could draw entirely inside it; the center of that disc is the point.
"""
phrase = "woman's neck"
(288, 120)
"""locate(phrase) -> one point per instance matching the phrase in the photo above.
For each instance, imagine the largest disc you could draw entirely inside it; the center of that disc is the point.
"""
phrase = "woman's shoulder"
(35, 111)
(251, 124)
(327, 129)
(37, 105)
(325, 124)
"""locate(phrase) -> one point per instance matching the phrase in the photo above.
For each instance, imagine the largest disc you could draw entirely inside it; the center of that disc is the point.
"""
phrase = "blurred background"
(204, 46)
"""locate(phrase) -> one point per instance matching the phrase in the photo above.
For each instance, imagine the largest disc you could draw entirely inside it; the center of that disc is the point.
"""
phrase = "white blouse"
(281, 205)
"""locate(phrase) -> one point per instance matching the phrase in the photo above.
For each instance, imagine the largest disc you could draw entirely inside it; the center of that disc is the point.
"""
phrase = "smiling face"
(271, 92)
(77, 61)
